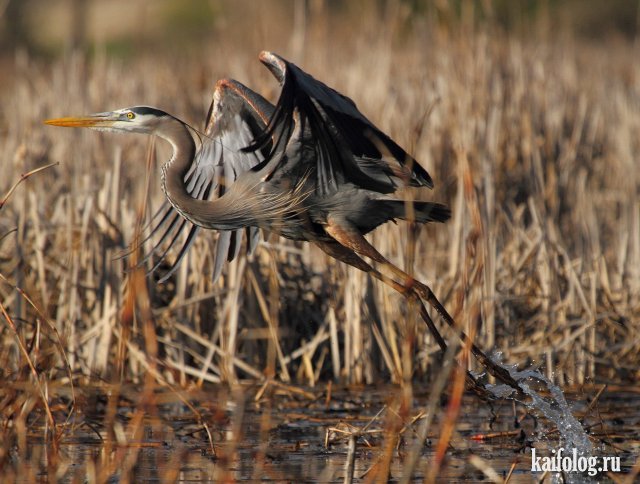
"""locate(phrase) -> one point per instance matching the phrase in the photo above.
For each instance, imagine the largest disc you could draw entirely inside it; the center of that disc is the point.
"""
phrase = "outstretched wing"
(236, 116)
(346, 146)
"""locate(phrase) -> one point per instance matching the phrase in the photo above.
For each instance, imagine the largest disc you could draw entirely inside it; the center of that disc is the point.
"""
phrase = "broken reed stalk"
(34, 372)
(57, 339)
(22, 178)
(350, 460)
(437, 388)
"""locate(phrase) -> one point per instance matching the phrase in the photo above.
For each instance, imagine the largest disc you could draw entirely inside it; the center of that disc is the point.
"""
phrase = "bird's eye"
(130, 115)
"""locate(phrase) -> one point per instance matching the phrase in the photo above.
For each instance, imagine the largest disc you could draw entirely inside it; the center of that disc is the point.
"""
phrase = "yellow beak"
(101, 120)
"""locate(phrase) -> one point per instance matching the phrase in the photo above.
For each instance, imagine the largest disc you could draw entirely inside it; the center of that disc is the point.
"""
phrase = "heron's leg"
(350, 237)
(348, 256)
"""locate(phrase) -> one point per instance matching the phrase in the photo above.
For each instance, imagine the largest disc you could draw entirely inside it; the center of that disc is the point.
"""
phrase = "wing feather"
(311, 125)
(347, 146)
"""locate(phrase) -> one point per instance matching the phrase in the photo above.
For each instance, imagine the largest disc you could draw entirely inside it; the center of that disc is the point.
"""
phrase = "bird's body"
(310, 162)
(288, 204)
(311, 168)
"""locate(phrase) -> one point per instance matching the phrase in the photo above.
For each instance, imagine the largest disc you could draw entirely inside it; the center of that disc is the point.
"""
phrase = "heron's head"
(137, 119)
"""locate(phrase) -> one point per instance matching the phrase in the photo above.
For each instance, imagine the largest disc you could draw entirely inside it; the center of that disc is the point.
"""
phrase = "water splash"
(556, 409)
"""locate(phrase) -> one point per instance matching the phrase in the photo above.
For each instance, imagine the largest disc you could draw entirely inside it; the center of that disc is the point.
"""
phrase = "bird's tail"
(422, 212)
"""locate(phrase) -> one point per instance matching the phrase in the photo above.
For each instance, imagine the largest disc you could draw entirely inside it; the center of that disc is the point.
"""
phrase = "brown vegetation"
(533, 144)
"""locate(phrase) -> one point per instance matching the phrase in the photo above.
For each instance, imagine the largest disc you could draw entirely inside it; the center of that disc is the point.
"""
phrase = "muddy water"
(292, 438)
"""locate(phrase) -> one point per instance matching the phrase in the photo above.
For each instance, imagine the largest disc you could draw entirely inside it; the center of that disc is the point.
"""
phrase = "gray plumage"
(292, 168)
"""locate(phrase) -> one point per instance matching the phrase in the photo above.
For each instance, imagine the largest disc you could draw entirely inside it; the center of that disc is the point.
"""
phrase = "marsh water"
(128, 434)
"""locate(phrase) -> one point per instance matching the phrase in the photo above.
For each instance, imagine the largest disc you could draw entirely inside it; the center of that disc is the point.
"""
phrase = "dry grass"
(534, 146)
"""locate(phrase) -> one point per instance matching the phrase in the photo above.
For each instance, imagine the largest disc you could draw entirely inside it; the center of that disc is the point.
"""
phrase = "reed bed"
(533, 145)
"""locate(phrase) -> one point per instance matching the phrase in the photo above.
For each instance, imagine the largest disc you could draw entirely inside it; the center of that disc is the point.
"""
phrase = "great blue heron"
(310, 168)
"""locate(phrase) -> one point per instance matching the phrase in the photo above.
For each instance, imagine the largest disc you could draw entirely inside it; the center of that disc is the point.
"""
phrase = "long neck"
(175, 170)
(221, 213)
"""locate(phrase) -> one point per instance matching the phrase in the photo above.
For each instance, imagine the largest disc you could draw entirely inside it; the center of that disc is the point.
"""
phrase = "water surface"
(129, 434)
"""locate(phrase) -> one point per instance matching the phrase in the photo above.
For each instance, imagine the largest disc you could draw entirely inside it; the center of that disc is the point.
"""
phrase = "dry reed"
(532, 144)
